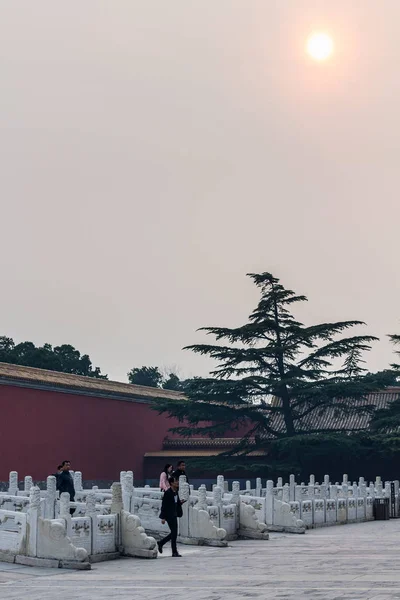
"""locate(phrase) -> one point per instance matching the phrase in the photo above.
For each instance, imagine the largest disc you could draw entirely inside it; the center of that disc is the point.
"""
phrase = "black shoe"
(159, 547)
(177, 555)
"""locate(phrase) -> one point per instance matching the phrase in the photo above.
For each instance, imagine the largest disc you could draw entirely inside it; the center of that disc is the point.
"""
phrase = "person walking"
(164, 484)
(181, 470)
(171, 511)
(65, 483)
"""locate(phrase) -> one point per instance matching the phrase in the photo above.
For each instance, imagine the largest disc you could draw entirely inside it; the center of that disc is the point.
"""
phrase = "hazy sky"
(152, 152)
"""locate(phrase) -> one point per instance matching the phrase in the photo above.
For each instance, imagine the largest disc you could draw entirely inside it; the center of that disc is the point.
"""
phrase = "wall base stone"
(201, 542)
(279, 529)
(95, 558)
(243, 534)
(30, 561)
(75, 565)
(7, 557)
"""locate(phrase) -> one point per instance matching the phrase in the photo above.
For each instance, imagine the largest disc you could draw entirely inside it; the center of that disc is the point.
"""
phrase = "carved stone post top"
(182, 480)
(90, 503)
(34, 498)
(13, 476)
(184, 490)
(78, 481)
(286, 494)
(312, 480)
(236, 487)
(220, 479)
(202, 498)
(129, 482)
(270, 485)
(248, 485)
(51, 485)
(217, 495)
(292, 479)
(326, 479)
(345, 478)
(28, 483)
(116, 490)
(279, 483)
(258, 482)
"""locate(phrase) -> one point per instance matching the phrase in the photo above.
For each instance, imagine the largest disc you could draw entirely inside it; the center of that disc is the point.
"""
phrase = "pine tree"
(274, 374)
(387, 420)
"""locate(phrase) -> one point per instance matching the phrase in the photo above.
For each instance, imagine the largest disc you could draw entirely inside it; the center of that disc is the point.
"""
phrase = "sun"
(320, 46)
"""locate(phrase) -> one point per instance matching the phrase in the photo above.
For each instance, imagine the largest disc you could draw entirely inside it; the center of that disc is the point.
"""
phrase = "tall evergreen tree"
(275, 374)
(387, 420)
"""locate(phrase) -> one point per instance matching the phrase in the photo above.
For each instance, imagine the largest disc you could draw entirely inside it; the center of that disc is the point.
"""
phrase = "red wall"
(101, 437)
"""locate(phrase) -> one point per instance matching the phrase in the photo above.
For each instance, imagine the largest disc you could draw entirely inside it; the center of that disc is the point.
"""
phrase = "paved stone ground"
(351, 562)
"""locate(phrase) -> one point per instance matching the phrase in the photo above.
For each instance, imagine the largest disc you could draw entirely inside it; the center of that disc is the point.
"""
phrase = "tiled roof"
(200, 442)
(192, 453)
(332, 418)
(65, 382)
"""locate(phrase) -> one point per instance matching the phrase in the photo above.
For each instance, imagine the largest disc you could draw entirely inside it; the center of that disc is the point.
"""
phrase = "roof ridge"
(10, 372)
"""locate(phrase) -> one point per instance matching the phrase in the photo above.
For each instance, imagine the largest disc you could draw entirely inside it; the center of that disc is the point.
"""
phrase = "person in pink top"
(164, 484)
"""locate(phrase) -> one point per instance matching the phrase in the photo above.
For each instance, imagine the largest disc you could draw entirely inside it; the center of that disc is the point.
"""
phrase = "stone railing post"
(65, 512)
(311, 490)
(13, 483)
(217, 501)
(127, 491)
(371, 489)
(117, 507)
(78, 481)
(292, 488)
(32, 520)
(184, 522)
(258, 487)
(116, 502)
(28, 483)
(286, 493)
(202, 498)
(51, 497)
(221, 483)
(269, 503)
(90, 510)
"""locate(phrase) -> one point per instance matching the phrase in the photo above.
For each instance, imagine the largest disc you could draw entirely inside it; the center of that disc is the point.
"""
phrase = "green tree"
(148, 376)
(387, 420)
(173, 383)
(65, 358)
(275, 375)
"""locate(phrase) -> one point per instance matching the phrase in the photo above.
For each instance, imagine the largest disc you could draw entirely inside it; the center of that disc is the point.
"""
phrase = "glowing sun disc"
(320, 46)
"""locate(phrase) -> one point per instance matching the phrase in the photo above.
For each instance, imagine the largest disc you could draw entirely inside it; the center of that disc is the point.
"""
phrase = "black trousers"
(173, 526)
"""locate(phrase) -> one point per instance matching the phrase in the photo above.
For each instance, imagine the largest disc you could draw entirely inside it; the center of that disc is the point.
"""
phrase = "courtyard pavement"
(351, 562)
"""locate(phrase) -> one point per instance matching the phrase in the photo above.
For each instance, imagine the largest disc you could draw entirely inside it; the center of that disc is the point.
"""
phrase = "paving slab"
(352, 562)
